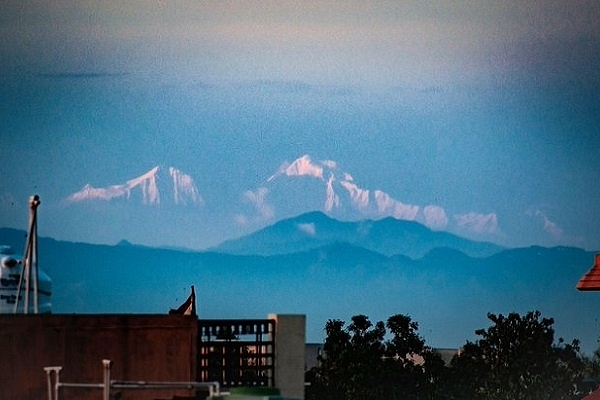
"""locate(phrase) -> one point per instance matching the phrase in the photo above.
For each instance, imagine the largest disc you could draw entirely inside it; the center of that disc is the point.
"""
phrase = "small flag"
(188, 307)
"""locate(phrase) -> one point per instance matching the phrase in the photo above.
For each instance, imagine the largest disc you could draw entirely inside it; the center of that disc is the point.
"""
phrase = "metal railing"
(108, 385)
(237, 352)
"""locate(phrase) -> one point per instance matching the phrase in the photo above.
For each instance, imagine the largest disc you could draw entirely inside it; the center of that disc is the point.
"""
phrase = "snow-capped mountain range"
(152, 186)
(285, 194)
(342, 196)
(340, 186)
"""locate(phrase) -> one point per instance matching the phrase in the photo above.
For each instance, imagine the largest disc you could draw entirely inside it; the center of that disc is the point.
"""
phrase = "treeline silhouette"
(516, 357)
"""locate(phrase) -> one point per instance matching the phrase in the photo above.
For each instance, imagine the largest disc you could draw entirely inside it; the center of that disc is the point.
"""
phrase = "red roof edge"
(595, 395)
(591, 280)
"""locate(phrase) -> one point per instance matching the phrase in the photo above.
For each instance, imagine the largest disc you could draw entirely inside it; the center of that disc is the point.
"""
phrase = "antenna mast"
(30, 260)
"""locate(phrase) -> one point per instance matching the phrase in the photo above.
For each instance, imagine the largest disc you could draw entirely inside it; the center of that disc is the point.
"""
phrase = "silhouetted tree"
(591, 379)
(359, 364)
(412, 369)
(352, 355)
(516, 358)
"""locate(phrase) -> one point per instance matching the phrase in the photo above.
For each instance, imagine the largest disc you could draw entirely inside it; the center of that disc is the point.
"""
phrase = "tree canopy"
(515, 358)
(358, 362)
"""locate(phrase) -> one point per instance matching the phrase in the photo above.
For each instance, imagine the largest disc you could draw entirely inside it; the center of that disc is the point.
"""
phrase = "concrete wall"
(160, 348)
(290, 339)
(142, 347)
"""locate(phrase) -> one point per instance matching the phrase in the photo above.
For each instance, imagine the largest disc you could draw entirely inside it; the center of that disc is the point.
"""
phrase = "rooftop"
(591, 280)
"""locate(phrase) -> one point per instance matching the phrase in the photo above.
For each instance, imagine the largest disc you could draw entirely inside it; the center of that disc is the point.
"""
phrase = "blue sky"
(476, 107)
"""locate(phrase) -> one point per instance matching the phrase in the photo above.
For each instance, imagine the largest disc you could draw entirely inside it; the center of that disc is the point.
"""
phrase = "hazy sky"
(476, 107)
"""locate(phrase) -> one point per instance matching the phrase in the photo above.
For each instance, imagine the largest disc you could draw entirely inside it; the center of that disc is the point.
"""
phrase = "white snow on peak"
(390, 206)
(332, 199)
(147, 183)
(364, 201)
(342, 194)
(184, 188)
(329, 164)
(359, 197)
(302, 166)
(90, 192)
(150, 184)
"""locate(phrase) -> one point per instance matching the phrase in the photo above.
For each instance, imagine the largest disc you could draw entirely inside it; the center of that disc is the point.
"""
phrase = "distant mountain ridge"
(307, 184)
(302, 186)
(155, 186)
(388, 236)
(448, 292)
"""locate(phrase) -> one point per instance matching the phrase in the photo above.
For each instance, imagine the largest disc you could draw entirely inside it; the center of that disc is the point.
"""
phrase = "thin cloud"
(280, 86)
(387, 205)
(82, 75)
(241, 220)
(476, 222)
(435, 217)
(549, 226)
(309, 229)
(258, 200)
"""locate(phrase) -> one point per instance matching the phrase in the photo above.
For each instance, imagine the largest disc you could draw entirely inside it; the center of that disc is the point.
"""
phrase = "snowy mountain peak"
(185, 190)
(304, 166)
(177, 186)
(340, 186)
(340, 196)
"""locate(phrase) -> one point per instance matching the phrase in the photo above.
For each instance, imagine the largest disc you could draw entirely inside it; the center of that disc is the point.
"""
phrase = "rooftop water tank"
(11, 274)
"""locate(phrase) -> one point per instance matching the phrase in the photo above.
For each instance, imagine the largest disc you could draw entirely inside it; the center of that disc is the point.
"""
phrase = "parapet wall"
(142, 347)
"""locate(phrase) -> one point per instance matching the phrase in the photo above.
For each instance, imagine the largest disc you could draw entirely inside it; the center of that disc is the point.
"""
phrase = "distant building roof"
(591, 280)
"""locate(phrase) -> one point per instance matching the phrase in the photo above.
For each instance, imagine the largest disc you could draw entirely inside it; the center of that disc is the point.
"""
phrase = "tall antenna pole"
(33, 205)
(30, 258)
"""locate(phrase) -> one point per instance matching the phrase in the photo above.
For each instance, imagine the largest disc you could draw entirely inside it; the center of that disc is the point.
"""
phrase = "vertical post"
(290, 343)
(29, 257)
(34, 203)
(56, 385)
(49, 380)
(106, 392)
(49, 372)
(26, 272)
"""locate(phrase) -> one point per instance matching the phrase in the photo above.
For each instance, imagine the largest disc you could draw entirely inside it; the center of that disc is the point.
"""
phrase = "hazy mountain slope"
(166, 198)
(387, 236)
(447, 292)
(15, 238)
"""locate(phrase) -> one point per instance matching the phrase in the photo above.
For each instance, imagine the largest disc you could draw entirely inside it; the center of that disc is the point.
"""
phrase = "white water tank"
(11, 268)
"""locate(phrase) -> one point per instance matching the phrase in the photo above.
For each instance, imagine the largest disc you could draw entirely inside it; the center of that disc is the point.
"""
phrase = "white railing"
(54, 384)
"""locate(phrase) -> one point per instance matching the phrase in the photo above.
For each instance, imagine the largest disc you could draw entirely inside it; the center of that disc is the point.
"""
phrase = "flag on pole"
(188, 307)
